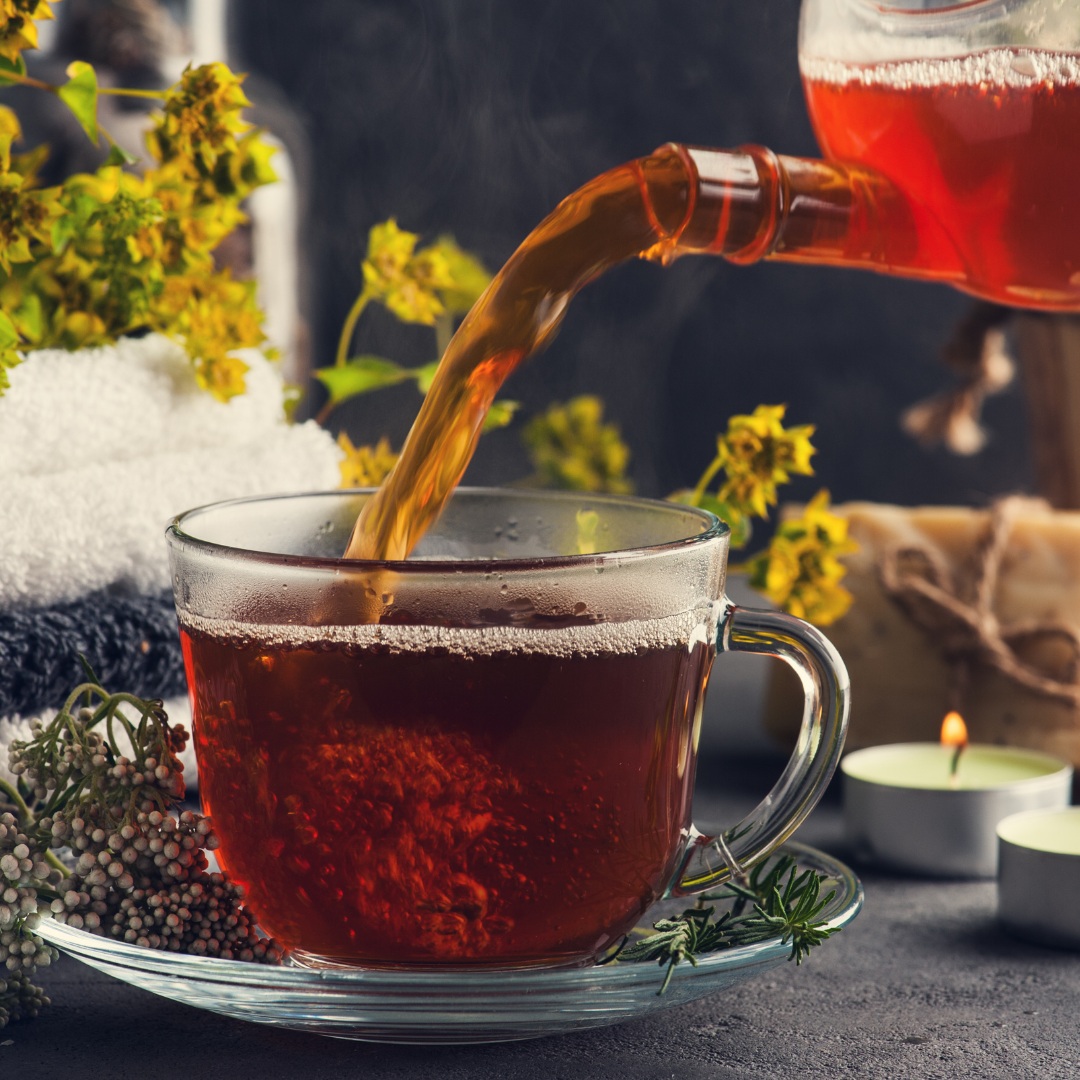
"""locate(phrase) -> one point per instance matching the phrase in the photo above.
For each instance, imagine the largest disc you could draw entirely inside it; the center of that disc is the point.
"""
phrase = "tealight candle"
(905, 809)
(1039, 876)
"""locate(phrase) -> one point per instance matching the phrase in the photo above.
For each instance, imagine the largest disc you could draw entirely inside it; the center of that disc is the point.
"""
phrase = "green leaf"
(88, 671)
(119, 156)
(16, 68)
(686, 496)
(500, 414)
(79, 94)
(425, 376)
(739, 523)
(361, 375)
(9, 336)
(28, 317)
(9, 357)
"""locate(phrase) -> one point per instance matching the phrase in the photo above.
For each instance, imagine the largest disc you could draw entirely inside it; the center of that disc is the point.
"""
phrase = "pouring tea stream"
(952, 158)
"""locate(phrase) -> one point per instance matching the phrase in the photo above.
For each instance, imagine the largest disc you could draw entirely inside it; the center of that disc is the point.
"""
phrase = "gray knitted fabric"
(132, 642)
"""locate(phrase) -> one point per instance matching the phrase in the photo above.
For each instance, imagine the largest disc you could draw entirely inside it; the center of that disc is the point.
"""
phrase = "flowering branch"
(756, 453)
(111, 253)
(800, 570)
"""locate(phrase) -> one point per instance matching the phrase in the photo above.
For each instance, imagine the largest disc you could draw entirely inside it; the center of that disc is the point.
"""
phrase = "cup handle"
(708, 861)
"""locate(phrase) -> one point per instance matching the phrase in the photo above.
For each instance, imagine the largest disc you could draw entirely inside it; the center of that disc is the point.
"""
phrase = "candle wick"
(954, 775)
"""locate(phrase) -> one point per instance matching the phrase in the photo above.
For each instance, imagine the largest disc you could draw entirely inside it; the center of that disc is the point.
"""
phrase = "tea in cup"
(484, 754)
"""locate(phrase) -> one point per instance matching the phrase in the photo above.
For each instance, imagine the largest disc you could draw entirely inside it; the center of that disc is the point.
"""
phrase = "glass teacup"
(485, 754)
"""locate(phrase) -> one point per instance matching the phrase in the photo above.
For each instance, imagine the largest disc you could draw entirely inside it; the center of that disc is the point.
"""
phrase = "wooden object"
(1049, 347)
(901, 686)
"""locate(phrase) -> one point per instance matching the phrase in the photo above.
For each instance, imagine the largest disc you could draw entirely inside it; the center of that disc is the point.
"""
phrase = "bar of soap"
(900, 683)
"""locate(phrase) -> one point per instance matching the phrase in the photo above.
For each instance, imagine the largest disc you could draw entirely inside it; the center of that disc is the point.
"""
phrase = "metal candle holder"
(1037, 888)
(934, 832)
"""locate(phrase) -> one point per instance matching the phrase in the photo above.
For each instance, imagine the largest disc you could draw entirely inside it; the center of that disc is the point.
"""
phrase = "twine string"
(956, 613)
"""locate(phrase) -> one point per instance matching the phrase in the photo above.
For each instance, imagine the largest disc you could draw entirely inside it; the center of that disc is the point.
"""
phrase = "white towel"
(100, 448)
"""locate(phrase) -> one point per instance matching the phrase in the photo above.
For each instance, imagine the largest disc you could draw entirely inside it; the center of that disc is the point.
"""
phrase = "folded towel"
(100, 448)
(130, 641)
(137, 398)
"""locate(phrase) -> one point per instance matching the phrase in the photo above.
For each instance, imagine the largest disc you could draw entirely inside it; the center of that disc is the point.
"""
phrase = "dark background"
(477, 116)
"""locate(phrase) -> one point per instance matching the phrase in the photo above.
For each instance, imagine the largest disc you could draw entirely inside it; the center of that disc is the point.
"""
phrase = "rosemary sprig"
(785, 909)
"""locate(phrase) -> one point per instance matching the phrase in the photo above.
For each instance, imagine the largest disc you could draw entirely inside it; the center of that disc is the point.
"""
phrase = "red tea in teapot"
(397, 800)
(960, 170)
(986, 144)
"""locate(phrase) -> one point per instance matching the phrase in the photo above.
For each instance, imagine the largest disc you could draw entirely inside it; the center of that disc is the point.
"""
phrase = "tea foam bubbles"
(1013, 68)
(596, 639)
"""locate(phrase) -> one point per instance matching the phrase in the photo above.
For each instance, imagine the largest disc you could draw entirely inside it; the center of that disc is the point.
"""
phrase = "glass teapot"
(952, 140)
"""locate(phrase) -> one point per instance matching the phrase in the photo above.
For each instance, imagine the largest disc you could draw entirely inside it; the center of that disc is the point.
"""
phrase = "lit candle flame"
(954, 730)
(954, 733)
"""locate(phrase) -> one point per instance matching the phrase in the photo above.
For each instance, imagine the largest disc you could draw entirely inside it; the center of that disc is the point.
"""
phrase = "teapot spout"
(750, 204)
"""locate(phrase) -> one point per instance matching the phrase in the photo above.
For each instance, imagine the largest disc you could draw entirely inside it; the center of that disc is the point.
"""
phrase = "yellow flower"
(10, 132)
(201, 119)
(111, 253)
(572, 448)
(25, 216)
(405, 280)
(468, 275)
(757, 454)
(588, 521)
(17, 29)
(800, 569)
(365, 466)
(211, 315)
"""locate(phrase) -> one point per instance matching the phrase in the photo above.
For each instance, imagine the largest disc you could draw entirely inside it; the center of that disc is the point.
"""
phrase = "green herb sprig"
(786, 909)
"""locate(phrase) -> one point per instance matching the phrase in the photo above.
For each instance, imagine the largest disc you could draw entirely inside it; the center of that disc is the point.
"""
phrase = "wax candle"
(1039, 878)
(904, 810)
(926, 765)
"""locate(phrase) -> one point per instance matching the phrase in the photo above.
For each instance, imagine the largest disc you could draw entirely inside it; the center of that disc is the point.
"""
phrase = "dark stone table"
(922, 985)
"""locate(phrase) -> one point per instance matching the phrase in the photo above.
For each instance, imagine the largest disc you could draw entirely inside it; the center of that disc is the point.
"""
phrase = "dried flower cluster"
(24, 876)
(19, 997)
(135, 872)
(160, 895)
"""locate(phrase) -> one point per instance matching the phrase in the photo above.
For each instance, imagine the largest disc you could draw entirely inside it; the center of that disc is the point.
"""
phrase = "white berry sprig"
(26, 879)
(99, 787)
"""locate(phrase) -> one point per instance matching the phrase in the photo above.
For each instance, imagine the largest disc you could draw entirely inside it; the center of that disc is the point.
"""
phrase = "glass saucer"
(395, 1005)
